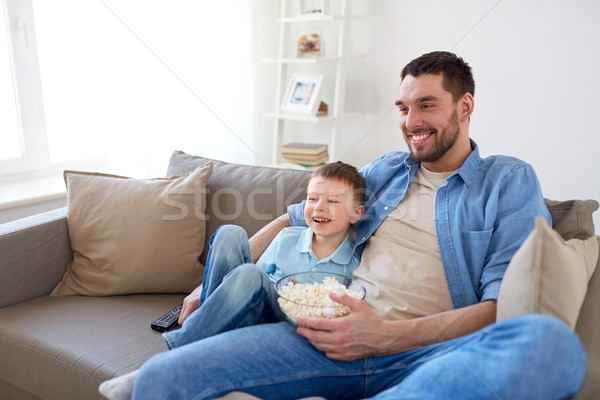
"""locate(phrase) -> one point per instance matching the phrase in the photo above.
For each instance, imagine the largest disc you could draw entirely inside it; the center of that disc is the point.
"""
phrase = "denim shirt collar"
(467, 171)
(341, 255)
(469, 168)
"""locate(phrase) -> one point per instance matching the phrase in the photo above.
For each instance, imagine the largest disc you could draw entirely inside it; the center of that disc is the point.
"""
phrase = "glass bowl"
(306, 294)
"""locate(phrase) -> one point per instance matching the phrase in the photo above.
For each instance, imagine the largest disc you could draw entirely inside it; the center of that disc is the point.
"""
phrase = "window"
(23, 137)
(10, 138)
(39, 131)
(118, 85)
(71, 69)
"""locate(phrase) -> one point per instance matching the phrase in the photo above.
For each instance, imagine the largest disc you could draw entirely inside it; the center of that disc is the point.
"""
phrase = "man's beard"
(443, 141)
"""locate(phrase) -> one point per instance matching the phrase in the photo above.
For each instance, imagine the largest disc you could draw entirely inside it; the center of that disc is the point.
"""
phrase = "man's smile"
(420, 135)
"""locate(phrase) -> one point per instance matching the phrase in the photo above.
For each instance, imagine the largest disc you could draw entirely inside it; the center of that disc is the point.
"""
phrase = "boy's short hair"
(345, 173)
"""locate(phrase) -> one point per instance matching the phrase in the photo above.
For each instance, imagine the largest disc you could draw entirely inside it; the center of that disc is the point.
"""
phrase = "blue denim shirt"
(291, 251)
(483, 214)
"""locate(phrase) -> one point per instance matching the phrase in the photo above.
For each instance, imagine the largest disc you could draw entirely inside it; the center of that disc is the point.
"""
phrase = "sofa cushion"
(572, 218)
(245, 195)
(588, 329)
(548, 275)
(63, 347)
(134, 235)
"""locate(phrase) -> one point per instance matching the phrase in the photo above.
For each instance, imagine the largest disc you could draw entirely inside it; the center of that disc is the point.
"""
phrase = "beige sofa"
(63, 347)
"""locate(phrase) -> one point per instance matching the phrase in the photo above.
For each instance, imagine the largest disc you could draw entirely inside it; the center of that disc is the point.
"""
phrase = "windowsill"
(32, 191)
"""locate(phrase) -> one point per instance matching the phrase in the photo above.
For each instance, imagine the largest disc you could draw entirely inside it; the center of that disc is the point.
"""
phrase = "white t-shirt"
(401, 265)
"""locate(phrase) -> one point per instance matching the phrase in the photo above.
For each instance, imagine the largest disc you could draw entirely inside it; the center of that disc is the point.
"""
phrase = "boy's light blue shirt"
(483, 214)
(291, 251)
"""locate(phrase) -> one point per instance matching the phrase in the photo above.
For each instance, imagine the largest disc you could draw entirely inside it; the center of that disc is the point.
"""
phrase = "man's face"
(428, 119)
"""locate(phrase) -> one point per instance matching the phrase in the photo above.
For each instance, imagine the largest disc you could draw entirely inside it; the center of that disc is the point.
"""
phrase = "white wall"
(132, 80)
(536, 69)
(536, 66)
(175, 76)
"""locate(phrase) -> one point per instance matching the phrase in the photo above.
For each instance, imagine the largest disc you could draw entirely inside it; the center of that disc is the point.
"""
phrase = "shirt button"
(314, 269)
(386, 208)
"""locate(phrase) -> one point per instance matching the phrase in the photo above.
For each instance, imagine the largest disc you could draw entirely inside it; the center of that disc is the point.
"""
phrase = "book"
(304, 148)
(308, 157)
(310, 167)
(306, 160)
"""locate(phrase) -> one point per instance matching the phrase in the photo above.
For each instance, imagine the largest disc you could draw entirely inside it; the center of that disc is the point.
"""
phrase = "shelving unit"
(285, 65)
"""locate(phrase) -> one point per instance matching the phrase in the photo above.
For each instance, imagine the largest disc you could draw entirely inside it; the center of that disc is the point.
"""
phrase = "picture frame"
(312, 7)
(303, 94)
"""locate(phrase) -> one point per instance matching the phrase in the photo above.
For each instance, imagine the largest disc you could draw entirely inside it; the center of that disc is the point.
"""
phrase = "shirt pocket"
(475, 245)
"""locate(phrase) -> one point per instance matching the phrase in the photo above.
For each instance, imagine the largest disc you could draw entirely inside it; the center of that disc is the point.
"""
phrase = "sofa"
(62, 345)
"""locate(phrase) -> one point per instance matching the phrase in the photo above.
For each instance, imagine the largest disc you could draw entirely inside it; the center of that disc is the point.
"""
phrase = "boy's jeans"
(235, 292)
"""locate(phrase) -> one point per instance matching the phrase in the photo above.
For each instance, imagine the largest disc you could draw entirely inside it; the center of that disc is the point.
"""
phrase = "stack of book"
(305, 154)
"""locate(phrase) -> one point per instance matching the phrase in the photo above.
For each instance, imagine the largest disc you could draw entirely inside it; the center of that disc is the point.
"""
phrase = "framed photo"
(311, 7)
(303, 94)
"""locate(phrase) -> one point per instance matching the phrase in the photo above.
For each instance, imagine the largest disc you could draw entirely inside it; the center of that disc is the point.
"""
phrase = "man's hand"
(190, 304)
(357, 335)
(362, 333)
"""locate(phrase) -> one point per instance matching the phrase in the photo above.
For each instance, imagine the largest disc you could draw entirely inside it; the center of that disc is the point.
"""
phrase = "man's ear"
(466, 106)
(358, 213)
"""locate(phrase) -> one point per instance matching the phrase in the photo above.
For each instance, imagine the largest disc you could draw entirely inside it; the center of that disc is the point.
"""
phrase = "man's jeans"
(235, 292)
(531, 357)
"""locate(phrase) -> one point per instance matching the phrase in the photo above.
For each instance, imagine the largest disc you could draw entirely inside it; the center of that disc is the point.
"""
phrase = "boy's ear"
(358, 213)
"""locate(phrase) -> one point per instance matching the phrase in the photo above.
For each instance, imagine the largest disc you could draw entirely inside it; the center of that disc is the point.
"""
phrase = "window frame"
(28, 89)
(35, 161)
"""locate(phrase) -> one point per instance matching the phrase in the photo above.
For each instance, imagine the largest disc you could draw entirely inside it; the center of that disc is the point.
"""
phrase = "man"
(440, 227)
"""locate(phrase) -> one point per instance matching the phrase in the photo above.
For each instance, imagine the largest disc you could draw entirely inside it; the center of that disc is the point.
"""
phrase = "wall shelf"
(308, 18)
(285, 65)
(299, 60)
(310, 118)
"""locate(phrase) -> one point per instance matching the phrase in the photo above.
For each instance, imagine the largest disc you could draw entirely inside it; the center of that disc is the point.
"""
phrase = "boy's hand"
(190, 304)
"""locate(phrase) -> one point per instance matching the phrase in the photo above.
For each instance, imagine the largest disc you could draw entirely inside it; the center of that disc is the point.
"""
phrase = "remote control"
(167, 321)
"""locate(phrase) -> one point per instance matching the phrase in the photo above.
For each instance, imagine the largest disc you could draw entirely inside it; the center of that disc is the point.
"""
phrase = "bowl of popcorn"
(306, 294)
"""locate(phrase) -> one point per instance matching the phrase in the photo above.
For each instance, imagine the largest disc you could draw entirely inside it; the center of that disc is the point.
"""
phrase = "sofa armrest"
(34, 254)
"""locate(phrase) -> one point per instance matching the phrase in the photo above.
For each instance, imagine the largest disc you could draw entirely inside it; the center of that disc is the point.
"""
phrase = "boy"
(238, 293)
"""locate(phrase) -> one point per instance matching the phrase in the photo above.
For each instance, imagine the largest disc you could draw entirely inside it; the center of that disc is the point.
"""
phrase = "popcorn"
(312, 299)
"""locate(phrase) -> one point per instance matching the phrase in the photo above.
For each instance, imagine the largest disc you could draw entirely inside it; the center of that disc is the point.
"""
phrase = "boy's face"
(330, 206)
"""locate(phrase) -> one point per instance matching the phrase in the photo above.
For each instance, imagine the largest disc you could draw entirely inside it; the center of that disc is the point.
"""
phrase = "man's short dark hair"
(456, 73)
(345, 173)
